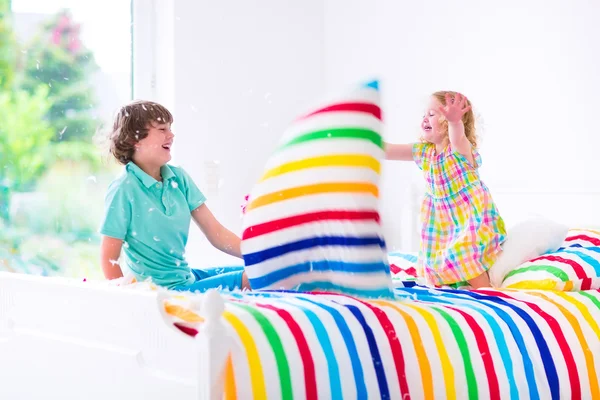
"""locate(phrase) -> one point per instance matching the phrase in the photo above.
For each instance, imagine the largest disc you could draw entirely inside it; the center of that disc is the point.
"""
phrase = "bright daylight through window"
(65, 67)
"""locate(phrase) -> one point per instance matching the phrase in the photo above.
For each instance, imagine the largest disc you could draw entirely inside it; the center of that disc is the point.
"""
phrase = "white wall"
(361, 41)
(236, 71)
(530, 67)
(242, 70)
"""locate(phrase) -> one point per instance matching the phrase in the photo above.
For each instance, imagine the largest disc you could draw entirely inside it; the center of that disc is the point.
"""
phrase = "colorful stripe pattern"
(573, 267)
(312, 220)
(582, 238)
(426, 344)
(403, 266)
(567, 269)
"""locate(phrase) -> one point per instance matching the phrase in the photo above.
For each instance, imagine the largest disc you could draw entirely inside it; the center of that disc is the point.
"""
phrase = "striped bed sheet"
(425, 344)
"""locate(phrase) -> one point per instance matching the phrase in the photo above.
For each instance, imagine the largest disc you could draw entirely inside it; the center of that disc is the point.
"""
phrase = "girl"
(148, 209)
(462, 232)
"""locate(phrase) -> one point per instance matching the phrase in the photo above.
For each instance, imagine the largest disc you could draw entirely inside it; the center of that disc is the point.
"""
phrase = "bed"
(427, 344)
(69, 339)
(76, 339)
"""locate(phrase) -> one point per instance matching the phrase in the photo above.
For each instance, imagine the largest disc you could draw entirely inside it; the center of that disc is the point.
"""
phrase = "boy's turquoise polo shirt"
(153, 220)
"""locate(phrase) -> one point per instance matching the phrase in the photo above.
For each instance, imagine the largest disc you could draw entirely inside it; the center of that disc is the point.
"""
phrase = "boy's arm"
(110, 251)
(219, 236)
(398, 152)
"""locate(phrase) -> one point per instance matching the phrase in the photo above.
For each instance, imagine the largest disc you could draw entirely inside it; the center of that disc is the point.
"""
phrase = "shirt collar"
(146, 179)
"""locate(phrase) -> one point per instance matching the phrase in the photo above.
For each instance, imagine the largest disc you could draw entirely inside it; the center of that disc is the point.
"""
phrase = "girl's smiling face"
(431, 125)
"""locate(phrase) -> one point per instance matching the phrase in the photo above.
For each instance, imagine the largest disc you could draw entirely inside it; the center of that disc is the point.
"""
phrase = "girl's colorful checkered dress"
(462, 231)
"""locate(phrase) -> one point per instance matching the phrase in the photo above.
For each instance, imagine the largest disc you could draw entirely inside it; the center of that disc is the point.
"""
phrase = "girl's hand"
(455, 107)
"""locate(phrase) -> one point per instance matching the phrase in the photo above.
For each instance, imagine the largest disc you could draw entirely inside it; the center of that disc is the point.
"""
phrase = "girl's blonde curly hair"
(468, 118)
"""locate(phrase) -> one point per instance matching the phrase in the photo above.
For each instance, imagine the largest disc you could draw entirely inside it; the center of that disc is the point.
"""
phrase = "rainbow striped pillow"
(567, 269)
(403, 265)
(582, 238)
(312, 221)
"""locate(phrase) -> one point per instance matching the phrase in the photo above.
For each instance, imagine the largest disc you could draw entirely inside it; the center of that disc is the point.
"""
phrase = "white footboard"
(69, 340)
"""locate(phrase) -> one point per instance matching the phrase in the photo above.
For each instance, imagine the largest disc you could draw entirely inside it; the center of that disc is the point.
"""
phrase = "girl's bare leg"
(481, 281)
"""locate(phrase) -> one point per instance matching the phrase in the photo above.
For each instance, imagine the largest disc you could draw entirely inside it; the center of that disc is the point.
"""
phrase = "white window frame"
(153, 33)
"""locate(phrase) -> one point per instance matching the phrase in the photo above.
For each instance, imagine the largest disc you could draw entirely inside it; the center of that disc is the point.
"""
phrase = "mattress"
(427, 343)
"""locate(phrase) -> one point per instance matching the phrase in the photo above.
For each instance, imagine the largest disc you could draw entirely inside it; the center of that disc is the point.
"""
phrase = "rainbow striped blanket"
(426, 344)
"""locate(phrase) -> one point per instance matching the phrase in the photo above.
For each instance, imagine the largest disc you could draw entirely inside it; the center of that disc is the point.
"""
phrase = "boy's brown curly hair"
(131, 125)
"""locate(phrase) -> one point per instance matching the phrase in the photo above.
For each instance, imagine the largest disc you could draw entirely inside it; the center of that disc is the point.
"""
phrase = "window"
(65, 67)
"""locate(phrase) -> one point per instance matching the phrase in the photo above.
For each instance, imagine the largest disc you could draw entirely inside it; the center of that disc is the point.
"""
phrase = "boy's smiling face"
(155, 149)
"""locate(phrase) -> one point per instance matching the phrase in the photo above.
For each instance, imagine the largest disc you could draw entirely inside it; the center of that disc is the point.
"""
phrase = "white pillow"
(525, 241)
